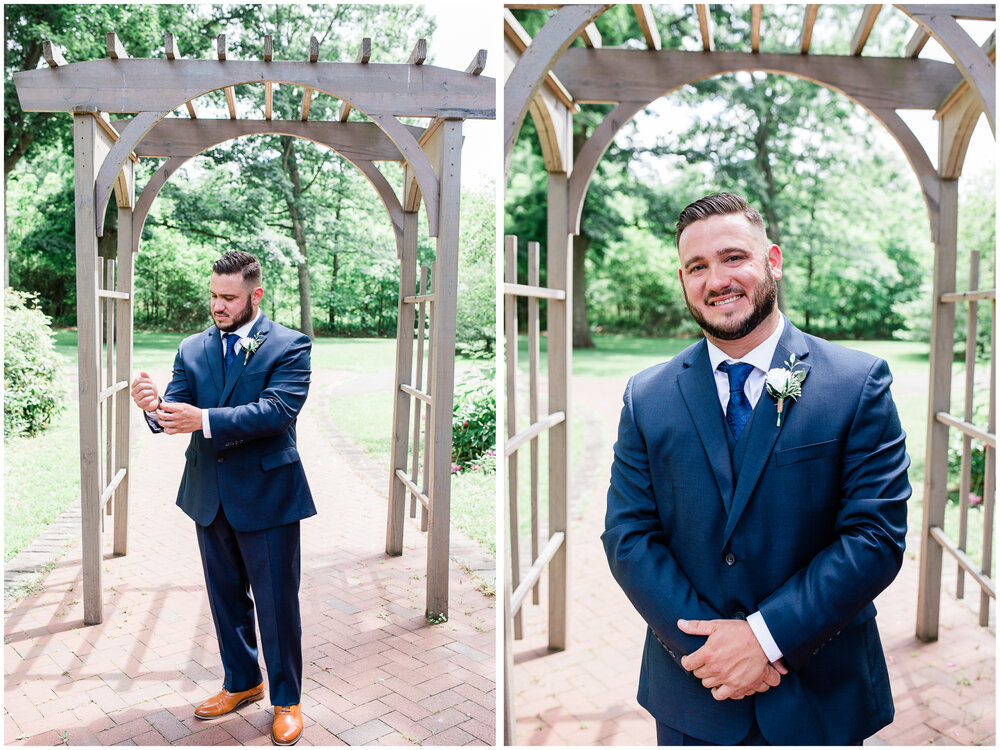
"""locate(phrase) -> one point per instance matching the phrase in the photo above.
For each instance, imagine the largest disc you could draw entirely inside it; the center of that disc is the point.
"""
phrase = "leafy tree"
(33, 383)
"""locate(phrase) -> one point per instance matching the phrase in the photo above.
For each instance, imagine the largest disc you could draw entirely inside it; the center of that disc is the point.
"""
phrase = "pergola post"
(442, 375)
(124, 311)
(941, 358)
(404, 375)
(89, 150)
(560, 360)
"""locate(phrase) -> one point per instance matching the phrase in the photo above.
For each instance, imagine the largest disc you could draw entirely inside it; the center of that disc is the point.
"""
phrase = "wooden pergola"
(549, 78)
(152, 92)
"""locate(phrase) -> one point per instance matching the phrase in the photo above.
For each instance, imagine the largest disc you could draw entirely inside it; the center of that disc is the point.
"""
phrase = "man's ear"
(774, 258)
(257, 295)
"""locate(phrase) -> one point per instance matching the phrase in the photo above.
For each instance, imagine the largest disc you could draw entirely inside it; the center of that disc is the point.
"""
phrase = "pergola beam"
(596, 75)
(116, 50)
(756, 11)
(363, 56)
(53, 55)
(704, 26)
(920, 37)
(864, 29)
(591, 36)
(808, 21)
(307, 93)
(171, 53)
(519, 38)
(647, 24)
(153, 85)
(959, 11)
(419, 53)
(478, 64)
(220, 47)
(177, 136)
(268, 85)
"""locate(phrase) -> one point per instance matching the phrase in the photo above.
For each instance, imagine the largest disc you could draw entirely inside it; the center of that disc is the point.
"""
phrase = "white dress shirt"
(243, 332)
(760, 358)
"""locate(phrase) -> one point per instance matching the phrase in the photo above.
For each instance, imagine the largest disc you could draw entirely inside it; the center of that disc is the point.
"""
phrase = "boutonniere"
(785, 382)
(250, 346)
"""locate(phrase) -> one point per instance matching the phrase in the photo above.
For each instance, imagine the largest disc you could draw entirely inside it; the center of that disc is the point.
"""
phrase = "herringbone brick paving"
(944, 691)
(375, 672)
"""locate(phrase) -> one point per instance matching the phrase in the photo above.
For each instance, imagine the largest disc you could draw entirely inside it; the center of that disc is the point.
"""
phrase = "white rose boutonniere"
(785, 382)
(250, 346)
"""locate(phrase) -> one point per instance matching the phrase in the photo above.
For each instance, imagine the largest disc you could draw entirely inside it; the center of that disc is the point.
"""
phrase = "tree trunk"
(581, 328)
(298, 234)
(763, 162)
(332, 311)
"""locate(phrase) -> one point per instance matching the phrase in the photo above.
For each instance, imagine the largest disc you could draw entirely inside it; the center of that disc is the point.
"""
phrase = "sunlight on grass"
(41, 480)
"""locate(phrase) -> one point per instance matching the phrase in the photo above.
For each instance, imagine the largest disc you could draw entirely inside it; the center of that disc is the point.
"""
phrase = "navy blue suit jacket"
(250, 466)
(808, 531)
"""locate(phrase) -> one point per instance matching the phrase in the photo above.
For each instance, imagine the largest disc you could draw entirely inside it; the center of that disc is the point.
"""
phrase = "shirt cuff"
(763, 636)
(204, 424)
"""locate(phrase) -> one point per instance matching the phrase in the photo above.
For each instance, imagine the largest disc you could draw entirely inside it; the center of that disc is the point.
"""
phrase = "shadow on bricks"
(374, 670)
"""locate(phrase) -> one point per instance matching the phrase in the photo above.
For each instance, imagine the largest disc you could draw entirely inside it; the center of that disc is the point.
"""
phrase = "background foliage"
(835, 191)
(33, 385)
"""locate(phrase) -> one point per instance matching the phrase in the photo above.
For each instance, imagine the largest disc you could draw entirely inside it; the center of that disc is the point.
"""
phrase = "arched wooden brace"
(550, 116)
(418, 161)
(599, 141)
(267, 127)
(138, 127)
(524, 81)
(977, 69)
(958, 123)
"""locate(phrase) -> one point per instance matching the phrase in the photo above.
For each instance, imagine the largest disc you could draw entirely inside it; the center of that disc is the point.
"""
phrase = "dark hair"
(236, 261)
(716, 204)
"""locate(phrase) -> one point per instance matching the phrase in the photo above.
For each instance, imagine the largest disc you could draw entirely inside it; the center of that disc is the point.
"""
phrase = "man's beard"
(763, 300)
(241, 318)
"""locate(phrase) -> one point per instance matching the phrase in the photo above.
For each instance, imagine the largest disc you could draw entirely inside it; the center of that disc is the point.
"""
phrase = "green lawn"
(41, 479)
(37, 493)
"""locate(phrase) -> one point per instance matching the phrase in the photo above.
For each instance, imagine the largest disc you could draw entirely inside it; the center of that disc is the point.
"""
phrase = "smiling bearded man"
(751, 532)
(237, 388)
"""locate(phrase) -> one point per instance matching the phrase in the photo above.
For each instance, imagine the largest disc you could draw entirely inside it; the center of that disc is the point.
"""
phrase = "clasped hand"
(174, 417)
(731, 663)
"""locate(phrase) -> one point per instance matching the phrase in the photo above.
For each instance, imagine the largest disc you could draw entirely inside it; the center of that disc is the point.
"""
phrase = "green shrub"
(474, 419)
(977, 462)
(33, 383)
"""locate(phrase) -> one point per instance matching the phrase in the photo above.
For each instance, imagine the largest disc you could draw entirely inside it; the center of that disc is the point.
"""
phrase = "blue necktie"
(738, 411)
(231, 340)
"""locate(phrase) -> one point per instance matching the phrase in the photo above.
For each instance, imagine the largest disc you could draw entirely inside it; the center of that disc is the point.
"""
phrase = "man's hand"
(731, 663)
(144, 392)
(178, 418)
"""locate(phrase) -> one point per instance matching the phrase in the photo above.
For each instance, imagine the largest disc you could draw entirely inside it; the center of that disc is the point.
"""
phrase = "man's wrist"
(763, 636)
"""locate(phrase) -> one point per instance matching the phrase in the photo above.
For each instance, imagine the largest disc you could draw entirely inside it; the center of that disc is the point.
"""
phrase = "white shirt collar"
(760, 357)
(244, 330)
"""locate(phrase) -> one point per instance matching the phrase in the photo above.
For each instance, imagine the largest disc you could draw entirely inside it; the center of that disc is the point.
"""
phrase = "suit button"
(730, 559)
(221, 459)
(740, 616)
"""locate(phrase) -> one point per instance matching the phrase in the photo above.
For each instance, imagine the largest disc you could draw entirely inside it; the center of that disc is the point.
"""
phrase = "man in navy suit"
(237, 388)
(753, 537)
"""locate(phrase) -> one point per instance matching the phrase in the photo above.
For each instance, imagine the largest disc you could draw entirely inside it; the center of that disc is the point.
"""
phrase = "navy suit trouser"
(669, 736)
(266, 563)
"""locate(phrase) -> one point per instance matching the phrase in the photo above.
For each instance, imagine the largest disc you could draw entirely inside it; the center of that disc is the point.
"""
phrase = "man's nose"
(718, 278)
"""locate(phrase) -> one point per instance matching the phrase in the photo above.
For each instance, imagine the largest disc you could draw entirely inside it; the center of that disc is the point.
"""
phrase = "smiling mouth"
(726, 301)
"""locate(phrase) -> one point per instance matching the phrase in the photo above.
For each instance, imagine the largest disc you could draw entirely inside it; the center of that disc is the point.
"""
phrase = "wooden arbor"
(549, 78)
(105, 156)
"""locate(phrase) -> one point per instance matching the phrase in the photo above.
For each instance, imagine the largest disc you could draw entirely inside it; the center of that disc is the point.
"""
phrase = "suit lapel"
(762, 430)
(697, 386)
(262, 326)
(214, 357)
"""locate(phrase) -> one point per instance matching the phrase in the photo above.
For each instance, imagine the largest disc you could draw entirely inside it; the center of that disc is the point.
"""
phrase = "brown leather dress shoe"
(287, 726)
(224, 702)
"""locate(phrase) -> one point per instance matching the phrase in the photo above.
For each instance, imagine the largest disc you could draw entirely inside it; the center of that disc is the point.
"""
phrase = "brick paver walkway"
(944, 691)
(375, 672)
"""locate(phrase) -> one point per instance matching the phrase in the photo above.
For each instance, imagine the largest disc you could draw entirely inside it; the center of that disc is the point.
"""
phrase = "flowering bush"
(474, 421)
(33, 384)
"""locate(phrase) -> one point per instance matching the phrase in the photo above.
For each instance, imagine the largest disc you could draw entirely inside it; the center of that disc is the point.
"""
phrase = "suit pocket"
(805, 452)
(281, 458)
